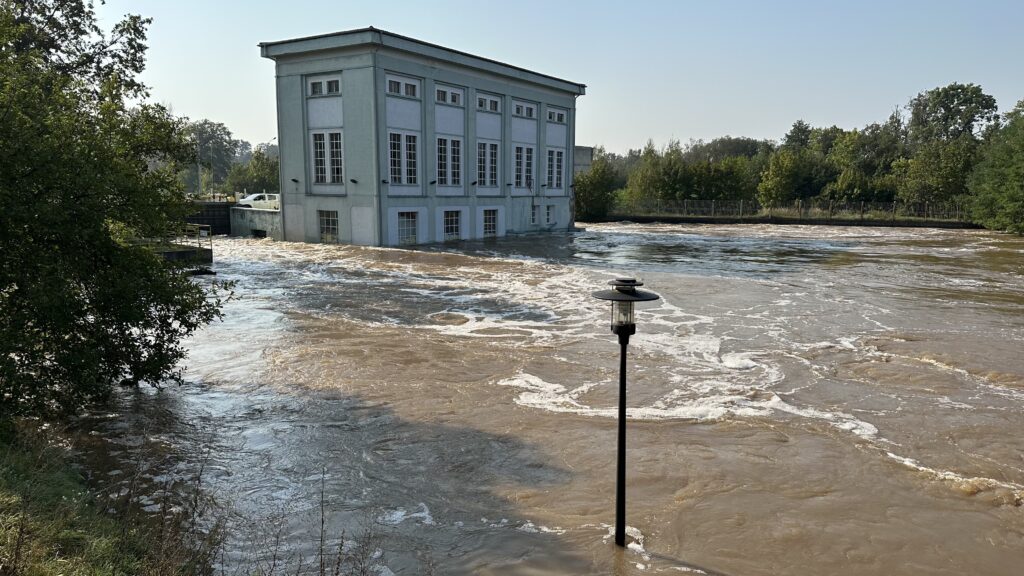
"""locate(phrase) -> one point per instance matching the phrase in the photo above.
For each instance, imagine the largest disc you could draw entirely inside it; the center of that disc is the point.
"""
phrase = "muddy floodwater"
(803, 400)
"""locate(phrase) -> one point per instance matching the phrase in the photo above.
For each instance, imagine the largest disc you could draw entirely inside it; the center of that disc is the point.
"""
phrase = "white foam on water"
(958, 479)
(399, 515)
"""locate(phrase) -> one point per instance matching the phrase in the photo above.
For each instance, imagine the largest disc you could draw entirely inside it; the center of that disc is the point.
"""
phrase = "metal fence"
(797, 210)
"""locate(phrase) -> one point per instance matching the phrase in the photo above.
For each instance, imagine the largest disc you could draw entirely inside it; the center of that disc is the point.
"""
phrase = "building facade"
(386, 141)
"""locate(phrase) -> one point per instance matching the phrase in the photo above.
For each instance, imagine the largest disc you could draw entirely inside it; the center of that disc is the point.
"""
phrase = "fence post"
(862, 210)
(685, 211)
(893, 210)
(741, 209)
(712, 208)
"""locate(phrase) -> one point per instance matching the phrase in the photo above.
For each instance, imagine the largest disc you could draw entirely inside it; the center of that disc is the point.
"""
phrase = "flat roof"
(376, 36)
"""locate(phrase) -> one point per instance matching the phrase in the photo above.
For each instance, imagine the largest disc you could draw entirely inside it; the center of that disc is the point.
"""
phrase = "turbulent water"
(802, 400)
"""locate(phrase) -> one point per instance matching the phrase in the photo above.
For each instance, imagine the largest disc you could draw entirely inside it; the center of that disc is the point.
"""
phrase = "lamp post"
(622, 297)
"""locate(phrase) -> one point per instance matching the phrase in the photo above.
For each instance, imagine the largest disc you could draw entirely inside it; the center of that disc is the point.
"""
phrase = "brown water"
(803, 400)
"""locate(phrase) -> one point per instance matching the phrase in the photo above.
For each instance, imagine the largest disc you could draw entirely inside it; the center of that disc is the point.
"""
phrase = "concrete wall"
(249, 222)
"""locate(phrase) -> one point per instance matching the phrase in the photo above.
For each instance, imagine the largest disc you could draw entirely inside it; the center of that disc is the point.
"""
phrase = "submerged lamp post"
(622, 297)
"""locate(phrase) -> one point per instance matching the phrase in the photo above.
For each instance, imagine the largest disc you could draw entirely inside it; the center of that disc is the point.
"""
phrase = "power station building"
(386, 140)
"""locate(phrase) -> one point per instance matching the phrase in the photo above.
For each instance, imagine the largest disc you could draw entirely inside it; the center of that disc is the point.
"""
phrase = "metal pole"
(620, 482)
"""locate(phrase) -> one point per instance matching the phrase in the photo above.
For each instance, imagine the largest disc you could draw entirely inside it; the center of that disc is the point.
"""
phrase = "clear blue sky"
(653, 69)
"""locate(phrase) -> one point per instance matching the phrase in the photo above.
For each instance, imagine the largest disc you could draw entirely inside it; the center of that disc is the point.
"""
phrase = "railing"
(800, 210)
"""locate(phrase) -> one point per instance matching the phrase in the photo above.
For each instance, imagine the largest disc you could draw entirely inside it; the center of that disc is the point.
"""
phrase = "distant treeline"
(947, 145)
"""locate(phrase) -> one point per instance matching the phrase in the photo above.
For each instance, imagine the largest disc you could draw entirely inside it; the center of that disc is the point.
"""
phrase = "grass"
(48, 522)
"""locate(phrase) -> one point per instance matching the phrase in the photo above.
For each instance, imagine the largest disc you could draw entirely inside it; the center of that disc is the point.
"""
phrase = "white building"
(387, 140)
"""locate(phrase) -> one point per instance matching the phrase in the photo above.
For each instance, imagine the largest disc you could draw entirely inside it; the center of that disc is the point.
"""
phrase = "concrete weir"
(256, 223)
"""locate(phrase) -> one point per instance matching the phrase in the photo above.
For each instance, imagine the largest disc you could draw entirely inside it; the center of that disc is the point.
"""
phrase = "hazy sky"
(653, 69)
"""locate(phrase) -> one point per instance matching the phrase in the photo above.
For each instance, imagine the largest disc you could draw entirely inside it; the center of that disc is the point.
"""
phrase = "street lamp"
(622, 297)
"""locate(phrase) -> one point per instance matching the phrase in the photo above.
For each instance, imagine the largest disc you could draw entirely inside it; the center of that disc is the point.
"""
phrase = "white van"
(262, 201)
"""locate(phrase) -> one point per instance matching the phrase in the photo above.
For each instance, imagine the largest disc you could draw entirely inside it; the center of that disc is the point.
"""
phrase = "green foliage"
(216, 150)
(81, 172)
(951, 113)
(998, 180)
(595, 191)
(785, 173)
(259, 174)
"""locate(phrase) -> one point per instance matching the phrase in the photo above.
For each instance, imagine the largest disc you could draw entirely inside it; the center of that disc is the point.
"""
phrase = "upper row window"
(324, 87)
(525, 110)
(556, 116)
(403, 87)
(451, 96)
(488, 103)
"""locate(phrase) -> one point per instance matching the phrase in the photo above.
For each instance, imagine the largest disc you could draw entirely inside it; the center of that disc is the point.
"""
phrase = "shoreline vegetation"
(947, 155)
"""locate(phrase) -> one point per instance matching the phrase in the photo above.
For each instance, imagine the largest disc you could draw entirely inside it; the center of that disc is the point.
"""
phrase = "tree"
(951, 113)
(259, 174)
(82, 172)
(783, 177)
(217, 151)
(595, 190)
(998, 178)
(799, 135)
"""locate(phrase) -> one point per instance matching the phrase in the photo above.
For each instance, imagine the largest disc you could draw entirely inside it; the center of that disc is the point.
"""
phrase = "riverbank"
(51, 522)
(653, 218)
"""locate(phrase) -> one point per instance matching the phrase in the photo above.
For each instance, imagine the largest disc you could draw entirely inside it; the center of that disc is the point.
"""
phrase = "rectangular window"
(452, 228)
(549, 215)
(488, 103)
(442, 161)
(333, 86)
(449, 162)
(551, 168)
(394, 87)
(402, 158)
(528, 171)
(319, 159)
(395, 157)
(456, 162)
(559, 161)
(410, 159)
(328, 220)
(490, 222)
(524, 166)
(519, 166)
(492, 174)
(316, 88)
(335, 151)
(534, 214)
(556, 160)
(525, 110)
(556, 116)
(407, 227)
(481, 163)
(410, 89)
(451, 96)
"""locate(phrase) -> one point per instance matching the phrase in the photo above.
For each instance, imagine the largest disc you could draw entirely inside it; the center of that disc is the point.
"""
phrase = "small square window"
(529, 111)
(333, 86)
(316, 88)
(519, 109)
(394, 87)
(410, 90)
(442, 96)
(481, 103)
(494, 106)
(455, 98)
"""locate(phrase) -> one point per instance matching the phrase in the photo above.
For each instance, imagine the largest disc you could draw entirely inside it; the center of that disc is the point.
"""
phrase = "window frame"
(450, 218)
(523, 109)
(448, 162)
(328, 219)
(490, 220)
(322, 157)
(404, 158)
(403, 85)
(555, 168)
(523, 175)
(549, 211)
(490, 161)
(449, 95)
(402, 221)
(491, 103)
